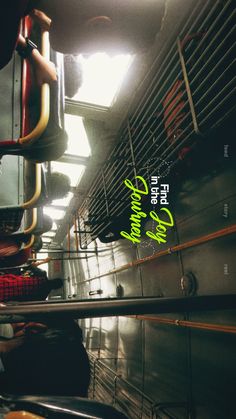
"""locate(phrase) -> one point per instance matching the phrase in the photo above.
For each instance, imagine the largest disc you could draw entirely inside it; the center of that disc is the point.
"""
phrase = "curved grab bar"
(38, 181)
(33, 223)
(30, 243)
(45, 100)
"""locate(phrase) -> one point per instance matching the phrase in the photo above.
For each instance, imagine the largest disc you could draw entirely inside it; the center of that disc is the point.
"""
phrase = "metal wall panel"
(10, 126)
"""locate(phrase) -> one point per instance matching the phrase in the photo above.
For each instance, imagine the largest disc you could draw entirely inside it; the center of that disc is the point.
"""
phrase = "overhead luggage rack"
(192, 92)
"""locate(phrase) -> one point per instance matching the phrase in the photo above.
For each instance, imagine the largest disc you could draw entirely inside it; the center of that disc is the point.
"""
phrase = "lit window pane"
(54, 226)
(74, 171)
(102, 77)
(41, 256)
(77, 138)
(54, 213)
(64, 202)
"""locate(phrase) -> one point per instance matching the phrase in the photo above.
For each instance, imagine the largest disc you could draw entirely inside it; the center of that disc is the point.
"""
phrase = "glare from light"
(49, 233)
(74, 171)
(102, 77)
(64, 202)
(78, 144)
(46, 240)
(55, 214)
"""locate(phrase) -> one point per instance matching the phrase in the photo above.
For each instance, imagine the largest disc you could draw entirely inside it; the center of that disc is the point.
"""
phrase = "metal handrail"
(30, 243)
(33, 223)
(45, 100)
(38, 183)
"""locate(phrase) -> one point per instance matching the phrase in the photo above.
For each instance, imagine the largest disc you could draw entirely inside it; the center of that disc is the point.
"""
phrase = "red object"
(9, 246)
(15, 260)
(20, 288)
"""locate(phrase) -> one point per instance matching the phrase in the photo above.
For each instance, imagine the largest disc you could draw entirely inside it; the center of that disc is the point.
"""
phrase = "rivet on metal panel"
(188, 284)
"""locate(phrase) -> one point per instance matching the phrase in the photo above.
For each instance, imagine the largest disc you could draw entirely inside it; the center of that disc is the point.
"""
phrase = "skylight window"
(102, 77)
(78, 144)
(74, 171)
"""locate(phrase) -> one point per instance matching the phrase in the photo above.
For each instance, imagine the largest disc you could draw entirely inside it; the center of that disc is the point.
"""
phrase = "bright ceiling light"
(102, 77)
(55, 214)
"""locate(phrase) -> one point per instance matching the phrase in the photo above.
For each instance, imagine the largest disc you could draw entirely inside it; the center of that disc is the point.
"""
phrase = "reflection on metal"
(96, 292)
(110, 387)
(106, 307)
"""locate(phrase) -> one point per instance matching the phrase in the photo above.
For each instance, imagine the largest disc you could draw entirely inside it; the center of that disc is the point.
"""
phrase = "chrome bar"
(10, 313)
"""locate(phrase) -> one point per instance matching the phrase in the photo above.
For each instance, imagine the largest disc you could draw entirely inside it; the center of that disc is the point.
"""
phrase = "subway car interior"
(117, 176)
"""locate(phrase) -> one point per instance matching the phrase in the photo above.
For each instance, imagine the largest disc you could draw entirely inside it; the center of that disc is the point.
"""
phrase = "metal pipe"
(200, 240)
(114, 307)
(187, 323)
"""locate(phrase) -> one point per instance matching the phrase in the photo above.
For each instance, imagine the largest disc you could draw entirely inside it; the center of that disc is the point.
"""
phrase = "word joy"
(137, 214)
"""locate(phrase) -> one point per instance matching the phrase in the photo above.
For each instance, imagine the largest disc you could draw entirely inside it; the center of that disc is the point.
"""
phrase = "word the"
(156, 191)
